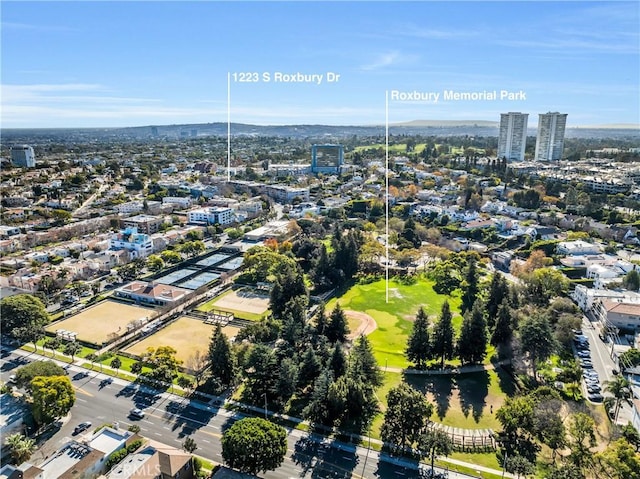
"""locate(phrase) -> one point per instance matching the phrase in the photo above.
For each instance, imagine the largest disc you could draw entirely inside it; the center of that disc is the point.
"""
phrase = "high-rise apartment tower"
(512, 138)
(550, 139)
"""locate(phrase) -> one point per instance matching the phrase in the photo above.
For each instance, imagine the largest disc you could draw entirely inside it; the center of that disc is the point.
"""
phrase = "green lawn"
(395, 318)
(467, 401)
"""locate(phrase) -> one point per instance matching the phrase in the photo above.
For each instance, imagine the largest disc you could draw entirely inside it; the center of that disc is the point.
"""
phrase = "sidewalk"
(207, 402)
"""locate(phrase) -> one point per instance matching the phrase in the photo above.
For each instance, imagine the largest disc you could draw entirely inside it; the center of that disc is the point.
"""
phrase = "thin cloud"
(388, 59)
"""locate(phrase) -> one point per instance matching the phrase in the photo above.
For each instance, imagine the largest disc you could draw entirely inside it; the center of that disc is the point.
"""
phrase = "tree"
(221, 358)
(631, 281)
(53, 344)
(288, 284)
(418, 345)
(363, 364)
(407, 414)
(116, 363)
(189, 445)
(545, 283)
(338, 361)
(310, 368)
(498, 292)
(53, 398)
(472, 343)
(155, 263)
(536, 337)
(72, 348)
(469, 286)
(23, 317)
(619, 461)
(581, 439)
(435, 442)
(262, 371)
(25, 374)
(197, 363)
(443, 347)
(337, 329)
(318, 410)
(503, 330)
(254, 445)
(620, 388)
(21, 447)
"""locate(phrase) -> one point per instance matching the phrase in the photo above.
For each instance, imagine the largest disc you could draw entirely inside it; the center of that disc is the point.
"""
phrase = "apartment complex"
(23, 156)
(512, 137)
(550, 139)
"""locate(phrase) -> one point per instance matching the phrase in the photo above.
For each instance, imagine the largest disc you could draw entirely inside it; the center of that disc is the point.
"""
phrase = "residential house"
(154, 461)
(622, 315)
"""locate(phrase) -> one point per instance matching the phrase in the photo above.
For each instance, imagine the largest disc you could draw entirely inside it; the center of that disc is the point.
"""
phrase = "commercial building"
(550, 139)
(152, 293)
(512, 137)
(23, 156)
(326, 158)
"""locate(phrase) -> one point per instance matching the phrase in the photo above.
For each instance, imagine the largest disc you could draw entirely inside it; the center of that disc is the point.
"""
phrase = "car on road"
(12, 378)
(83, 426)
(136, 413)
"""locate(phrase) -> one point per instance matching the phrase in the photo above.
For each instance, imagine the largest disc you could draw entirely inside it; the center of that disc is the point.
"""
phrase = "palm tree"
(21, 447)
(115, 364)
(619, 388)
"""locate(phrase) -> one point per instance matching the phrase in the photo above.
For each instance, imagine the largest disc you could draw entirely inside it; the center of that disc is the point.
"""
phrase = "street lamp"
(265, 405)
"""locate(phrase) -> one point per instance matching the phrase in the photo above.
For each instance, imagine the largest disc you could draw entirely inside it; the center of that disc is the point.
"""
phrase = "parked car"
(594, 397)
(83, 426)
(136, 413)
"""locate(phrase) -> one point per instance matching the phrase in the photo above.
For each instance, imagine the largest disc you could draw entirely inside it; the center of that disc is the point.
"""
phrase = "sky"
(112, 64)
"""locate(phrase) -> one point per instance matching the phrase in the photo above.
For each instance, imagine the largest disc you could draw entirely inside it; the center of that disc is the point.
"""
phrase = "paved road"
(171, 419)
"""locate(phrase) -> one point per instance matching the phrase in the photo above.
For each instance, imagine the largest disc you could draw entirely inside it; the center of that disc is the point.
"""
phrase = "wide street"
(170, 419)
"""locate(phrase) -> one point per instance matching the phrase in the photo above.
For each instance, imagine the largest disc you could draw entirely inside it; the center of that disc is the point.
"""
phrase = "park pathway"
(472, 368)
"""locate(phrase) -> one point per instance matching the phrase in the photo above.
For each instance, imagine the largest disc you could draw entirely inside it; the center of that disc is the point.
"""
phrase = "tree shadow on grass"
(440, 386)
(473, 389)
(505, 380)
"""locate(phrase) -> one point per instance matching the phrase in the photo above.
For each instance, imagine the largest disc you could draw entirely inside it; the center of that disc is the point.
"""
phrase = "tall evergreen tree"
(472, 344)
(318, 410)
(221, 358)
(338, 361)
(470, 286)
(503, 330)
(363, 364)
(337, 328)
(310, 368)
(321, 319)
(443, 346)
(418, 345)
(263, 373)
(498, 291)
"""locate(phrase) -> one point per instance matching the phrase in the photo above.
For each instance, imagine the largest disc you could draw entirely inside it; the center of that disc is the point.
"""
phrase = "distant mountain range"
(314, 132)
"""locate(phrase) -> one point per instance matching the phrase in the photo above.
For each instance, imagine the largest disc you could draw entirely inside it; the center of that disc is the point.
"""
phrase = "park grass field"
(245, 303)
(395, 318)
(186, 335)
(460, 400)
(96, 323)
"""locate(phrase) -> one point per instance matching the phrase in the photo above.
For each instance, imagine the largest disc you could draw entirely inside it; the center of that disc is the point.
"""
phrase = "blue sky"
(94, 64)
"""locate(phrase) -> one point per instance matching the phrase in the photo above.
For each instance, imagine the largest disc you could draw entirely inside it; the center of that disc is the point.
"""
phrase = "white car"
(136, 413)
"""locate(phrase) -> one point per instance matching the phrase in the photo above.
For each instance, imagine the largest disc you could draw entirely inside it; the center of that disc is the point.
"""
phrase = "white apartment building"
(139, 245)
(550, 139)
(512, 137)
(210, 216)
(23, 156)
(177, 200)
